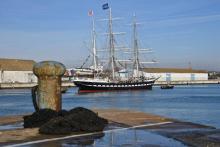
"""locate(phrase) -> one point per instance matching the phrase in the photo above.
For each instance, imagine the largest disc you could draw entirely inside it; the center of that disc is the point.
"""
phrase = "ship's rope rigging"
(113, 64)
(85, 61)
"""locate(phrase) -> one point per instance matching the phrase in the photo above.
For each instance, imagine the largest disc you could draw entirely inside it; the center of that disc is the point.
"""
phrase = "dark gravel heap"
(65, 122)
(39, 118)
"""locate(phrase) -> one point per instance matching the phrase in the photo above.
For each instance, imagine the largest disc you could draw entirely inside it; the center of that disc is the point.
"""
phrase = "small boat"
(167, 86)
(64, 89)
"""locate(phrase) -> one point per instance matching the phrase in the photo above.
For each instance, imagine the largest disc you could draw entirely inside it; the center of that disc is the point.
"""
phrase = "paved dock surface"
(11, 119)
(188, 133)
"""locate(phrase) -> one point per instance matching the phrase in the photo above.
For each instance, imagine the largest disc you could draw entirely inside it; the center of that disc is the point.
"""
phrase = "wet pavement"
(189, 133)
(127, 128)
(11, 126)
(113, 136)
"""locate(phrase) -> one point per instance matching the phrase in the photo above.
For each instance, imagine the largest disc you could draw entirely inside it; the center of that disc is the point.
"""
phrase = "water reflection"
(11, 126)
(115, 138)
(83, 141)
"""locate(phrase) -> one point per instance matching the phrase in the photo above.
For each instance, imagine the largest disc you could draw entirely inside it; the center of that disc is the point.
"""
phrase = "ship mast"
(135, 47)
(95, 63)
(111, 45)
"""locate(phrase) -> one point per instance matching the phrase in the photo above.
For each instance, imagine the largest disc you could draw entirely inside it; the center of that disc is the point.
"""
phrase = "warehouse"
(16, 71)
(177, 74)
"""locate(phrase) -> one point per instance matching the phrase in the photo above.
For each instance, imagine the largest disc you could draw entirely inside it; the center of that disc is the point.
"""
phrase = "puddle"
(11, 126)
(116, 138)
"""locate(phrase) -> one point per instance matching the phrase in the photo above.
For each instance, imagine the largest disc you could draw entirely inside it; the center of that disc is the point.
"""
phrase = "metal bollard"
(49, 75)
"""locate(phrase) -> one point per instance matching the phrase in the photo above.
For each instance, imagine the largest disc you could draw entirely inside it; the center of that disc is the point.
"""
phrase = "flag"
(90, 13)
(105, 6)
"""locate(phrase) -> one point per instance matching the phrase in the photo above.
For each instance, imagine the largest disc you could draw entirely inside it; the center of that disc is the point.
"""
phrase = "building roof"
(173, 70)
(16, 65)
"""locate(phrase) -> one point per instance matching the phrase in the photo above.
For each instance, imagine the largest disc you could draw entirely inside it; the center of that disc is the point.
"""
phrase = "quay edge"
(188, 82)
(71, 84)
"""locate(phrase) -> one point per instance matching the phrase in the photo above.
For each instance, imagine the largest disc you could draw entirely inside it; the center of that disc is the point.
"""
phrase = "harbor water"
(197, 103)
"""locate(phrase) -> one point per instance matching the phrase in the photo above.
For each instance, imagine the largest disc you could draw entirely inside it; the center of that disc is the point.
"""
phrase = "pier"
(28, 85)
(188, 133)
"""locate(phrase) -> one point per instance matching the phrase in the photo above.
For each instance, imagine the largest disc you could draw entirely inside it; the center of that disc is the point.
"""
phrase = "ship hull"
(85, 87)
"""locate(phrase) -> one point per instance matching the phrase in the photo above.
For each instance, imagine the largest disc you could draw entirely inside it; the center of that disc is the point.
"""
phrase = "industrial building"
(177, 74)
(17, 71)
(20, 71)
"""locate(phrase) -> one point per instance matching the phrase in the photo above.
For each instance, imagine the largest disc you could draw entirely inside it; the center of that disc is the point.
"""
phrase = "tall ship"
(115, 76)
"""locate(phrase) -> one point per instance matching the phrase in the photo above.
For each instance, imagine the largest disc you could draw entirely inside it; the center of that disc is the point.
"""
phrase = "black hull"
(99, 87)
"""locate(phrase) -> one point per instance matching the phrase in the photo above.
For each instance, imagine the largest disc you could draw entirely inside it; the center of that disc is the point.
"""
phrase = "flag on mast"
(90, 13)
(105, 6)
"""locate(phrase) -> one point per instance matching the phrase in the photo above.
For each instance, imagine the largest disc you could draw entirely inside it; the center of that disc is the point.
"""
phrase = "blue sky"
(179, 31)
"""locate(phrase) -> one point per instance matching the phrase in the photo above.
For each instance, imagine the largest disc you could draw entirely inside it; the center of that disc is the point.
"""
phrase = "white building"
(17, 71)
(175, 74)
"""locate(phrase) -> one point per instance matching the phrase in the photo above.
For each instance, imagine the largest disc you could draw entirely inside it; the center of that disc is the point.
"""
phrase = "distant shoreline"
(71, 84)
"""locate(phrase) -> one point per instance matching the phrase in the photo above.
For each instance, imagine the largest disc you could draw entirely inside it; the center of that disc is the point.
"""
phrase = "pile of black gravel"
(37, 119)
(65, 122)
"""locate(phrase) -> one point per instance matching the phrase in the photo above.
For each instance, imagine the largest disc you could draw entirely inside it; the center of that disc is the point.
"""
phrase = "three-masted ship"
(110, 79)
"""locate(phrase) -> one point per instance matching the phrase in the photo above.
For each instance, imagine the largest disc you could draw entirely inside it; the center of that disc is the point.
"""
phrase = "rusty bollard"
(49, 75)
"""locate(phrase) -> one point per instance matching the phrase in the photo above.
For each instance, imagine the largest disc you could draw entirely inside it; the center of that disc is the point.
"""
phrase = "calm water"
(200, 104)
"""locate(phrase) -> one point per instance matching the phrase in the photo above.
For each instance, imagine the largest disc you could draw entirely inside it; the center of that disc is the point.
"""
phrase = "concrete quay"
(188, 133)
(28, 85)
(188, 82)
(16, 85)
(71, 84)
